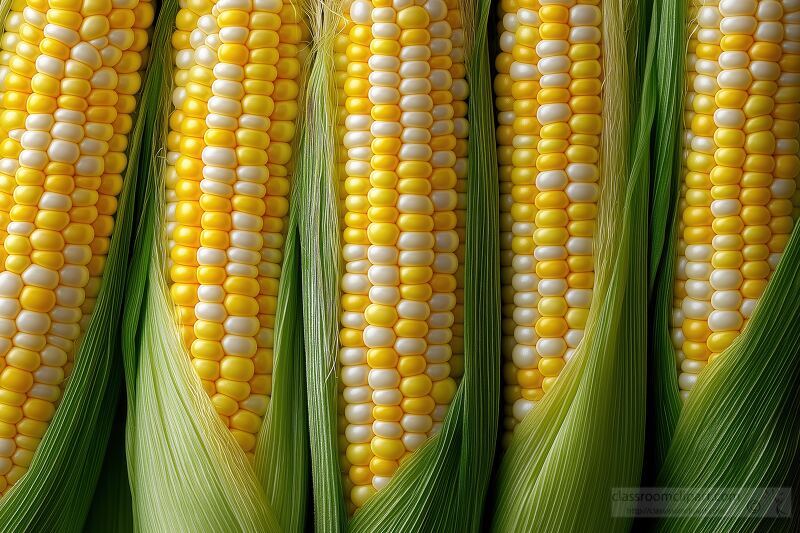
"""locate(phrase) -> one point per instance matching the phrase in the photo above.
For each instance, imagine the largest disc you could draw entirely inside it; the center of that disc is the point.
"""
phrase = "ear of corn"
(227, 195)
(66, 125)
(403, 103)
(738, 324)
(402, 177)
(65, 121)
(549, 86)
(249, 463)
(227, 305)
(735, 210)
(557, 458)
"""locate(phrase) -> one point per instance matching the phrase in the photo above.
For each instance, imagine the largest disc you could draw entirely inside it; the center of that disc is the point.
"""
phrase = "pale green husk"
(187, 473)
(738, 429)
(319, 264)
(443, 484)
(56, 492)
(587, 435)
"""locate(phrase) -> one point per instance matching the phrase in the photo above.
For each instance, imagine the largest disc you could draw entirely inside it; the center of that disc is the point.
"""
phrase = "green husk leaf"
(56, 492)
(282, 457)
(738, 430)
(319, 264)
(587, 435)
(187, 472)
(443, 484)
(111, 507)
(282, 453)
(670, 59)
(5, 7)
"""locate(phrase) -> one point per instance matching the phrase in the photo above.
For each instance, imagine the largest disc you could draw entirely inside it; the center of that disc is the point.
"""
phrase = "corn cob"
(740, 170)
(548, 86)
(227, 184)
(401, 118)
(70, 73)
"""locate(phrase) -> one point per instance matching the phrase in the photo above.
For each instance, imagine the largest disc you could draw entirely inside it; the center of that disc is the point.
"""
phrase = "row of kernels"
(197, 61)
(570, 118)
(187, 128)
(398, 363)
(504, 104)
(281, 133)
(526, 386)
(130, 66)
(356, 348)
(357, 154)
(261, 86)
(445, 92)
(180, 45)
(424, 166)
(762, 59)
(697, 185)
(696, 36)
(786, 130)
(242, 131)
(11, 36)
(549, 224)
(721, 211)
(340, 61)
(461, 132)
(582, 169)
(17, 86)
(9, 118)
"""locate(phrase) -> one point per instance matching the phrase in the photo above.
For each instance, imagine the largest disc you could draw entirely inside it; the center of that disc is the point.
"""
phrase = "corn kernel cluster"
(227, 183)
(548, 87)
(402, 165)
(739, 195)
(69, 73)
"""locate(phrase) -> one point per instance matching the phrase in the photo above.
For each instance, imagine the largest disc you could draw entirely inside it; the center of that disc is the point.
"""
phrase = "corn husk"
(443, 484)
(111, 506)
(319, 265)
(187, 473)
(587, 434)
(670, 74)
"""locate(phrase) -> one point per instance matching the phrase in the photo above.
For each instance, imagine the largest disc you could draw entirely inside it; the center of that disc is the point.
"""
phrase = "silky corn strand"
(69, 76)
(741, 165)
(227, 183)
(403, 130)
(549, 103)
